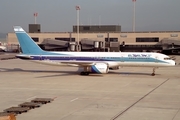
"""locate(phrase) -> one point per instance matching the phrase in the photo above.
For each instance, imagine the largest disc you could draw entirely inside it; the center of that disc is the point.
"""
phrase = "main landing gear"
(84, 73)
(153, 73)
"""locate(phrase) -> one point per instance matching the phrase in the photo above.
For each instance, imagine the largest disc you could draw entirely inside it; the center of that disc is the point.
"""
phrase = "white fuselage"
(113, 59)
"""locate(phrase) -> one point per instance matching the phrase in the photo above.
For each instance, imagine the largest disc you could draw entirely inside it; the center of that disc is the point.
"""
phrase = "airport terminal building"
(102, 38)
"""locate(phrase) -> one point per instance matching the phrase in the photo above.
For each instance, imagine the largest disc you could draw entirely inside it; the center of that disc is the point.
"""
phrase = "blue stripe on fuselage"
(103, 59)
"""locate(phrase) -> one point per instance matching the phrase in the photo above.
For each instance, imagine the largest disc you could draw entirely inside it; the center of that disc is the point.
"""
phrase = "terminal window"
(63, 39)
(35, 39)
(154, 39)
(66, 39)
(72, 39)
(111, 39)
(86, 28)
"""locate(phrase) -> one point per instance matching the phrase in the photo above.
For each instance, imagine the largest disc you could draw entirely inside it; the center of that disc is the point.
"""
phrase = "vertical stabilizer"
(27, 44)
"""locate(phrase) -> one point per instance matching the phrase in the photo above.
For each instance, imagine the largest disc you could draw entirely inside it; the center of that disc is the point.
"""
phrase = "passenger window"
(167, 58)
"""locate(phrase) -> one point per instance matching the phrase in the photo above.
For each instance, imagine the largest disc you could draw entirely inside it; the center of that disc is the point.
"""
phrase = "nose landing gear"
(153, 73)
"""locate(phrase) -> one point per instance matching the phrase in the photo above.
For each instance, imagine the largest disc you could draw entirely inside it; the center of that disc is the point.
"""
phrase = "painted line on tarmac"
(74, 99)
(30, 98)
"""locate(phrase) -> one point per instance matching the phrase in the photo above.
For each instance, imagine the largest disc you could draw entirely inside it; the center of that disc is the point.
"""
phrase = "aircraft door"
(156, 59)
(122, 58)
(97, 58)
(40, 58)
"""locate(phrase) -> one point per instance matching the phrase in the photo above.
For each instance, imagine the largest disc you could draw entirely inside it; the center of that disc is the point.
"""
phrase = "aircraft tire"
(84, 73)
(153, 74)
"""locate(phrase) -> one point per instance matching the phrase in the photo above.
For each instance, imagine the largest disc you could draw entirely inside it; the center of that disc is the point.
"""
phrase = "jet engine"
(100, 68)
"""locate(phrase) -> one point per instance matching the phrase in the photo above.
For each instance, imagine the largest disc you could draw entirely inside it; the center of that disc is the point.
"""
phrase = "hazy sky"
(60, 15)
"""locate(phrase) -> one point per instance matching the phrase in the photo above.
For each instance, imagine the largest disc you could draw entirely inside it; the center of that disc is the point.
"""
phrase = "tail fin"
(27, 44)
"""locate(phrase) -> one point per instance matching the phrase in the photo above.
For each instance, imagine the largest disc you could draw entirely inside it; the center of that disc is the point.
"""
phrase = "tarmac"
(124, 94)
(6, 56)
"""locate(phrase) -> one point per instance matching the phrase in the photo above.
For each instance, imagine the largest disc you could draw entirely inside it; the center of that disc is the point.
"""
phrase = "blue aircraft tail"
(27, 44)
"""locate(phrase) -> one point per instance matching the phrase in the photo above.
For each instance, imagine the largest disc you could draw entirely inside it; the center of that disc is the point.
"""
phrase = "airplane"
(90, 62)
(3, 48)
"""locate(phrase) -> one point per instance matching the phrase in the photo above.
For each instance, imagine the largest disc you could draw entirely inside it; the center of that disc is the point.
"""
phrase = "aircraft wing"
(77, 63)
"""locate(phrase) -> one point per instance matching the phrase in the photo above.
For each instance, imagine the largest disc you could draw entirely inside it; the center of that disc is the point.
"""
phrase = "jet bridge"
(170, 43)
(170, 46)
(52, 44)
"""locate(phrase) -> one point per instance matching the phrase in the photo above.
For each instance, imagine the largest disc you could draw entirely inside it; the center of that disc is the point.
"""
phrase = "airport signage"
(174, 35)
(122, 35)
(100, 36)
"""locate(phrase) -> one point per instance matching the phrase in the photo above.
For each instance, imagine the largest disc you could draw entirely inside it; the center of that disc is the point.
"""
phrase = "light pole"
(35, 16)
(78, 9)
(134, 15)
(99, 20)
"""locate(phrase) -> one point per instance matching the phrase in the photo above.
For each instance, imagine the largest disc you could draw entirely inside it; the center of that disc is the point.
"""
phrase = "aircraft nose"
(173, 63)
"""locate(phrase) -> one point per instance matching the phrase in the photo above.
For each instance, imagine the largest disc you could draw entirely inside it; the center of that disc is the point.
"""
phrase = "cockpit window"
(167, 58)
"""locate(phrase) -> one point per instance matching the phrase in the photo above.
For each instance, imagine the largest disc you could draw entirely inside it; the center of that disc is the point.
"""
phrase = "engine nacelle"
(100, 68)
